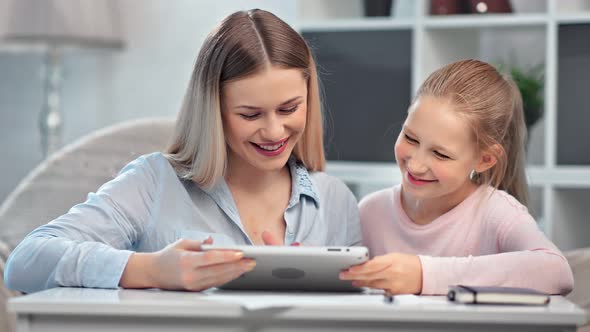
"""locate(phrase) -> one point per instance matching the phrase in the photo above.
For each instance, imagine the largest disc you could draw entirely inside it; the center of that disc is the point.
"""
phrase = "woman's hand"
(395, 273)
(182, 265)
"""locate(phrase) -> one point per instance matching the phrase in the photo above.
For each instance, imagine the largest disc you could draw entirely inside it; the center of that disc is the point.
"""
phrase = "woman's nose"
(273, 129)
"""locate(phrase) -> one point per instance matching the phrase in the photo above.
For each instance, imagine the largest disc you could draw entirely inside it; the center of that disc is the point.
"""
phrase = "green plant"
(530, 82)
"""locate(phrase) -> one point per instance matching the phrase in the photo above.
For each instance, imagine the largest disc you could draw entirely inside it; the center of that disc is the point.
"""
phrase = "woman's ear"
(488, 158)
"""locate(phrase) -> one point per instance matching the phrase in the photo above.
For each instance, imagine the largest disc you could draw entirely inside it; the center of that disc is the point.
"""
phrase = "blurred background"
(69, 67)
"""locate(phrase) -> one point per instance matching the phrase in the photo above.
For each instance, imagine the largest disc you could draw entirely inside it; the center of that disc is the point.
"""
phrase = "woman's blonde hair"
(244, 43)
(492, 105)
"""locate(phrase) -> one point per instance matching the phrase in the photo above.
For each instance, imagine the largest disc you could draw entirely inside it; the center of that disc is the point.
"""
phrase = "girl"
(459, 215)
(244, 167)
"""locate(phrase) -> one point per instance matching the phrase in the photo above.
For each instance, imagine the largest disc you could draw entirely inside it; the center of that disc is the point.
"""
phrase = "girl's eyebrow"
(256, 108)
(434, 147)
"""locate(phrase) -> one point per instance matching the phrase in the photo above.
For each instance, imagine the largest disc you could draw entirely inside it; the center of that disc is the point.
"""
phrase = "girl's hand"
(182, 265)
(395, 273)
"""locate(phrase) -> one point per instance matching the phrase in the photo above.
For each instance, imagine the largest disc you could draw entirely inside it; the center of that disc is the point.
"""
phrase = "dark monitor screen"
(366, 78)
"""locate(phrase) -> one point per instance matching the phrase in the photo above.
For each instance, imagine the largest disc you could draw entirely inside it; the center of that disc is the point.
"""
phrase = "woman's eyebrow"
(291, 100)
(256, 108)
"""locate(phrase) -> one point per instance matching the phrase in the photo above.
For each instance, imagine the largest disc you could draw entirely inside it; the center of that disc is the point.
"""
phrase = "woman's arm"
(90, 245)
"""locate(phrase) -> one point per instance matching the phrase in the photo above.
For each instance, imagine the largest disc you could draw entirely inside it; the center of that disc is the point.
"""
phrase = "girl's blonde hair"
(492, 105)
(243, 44)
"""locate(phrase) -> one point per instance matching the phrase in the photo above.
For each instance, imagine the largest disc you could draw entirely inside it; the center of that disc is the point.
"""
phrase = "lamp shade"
(60, 23)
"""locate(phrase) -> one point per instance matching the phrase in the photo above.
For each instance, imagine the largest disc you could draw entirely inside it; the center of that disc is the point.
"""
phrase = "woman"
(244, 167)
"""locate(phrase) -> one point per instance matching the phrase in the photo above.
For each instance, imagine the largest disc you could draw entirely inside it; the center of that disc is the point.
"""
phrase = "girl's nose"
(416, 166)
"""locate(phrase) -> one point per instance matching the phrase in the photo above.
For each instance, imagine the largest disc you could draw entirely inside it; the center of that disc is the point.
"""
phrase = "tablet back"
(297, 268)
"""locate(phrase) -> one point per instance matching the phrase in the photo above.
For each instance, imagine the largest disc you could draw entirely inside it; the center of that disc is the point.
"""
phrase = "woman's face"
(264, 115)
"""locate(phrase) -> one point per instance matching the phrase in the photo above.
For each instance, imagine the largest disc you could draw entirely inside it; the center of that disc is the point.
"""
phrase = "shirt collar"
(301, 184)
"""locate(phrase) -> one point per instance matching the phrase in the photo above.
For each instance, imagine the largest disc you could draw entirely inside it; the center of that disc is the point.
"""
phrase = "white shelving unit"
(530, 36)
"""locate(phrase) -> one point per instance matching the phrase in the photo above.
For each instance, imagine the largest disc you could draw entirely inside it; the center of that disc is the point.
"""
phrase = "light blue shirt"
(147, 206)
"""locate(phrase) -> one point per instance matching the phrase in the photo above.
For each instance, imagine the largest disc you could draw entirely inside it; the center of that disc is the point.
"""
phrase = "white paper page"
(262, 300)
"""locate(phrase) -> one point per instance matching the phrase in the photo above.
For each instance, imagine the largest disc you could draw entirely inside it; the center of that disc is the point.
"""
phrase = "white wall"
(148, 78)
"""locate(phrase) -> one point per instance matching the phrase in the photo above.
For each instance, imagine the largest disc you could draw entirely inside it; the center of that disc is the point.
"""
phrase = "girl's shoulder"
(379, 197)
(384, 199)
(500, 199)
(499, 207)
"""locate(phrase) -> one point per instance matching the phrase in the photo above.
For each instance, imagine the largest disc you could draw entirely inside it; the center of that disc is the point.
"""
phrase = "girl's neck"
(423, 211)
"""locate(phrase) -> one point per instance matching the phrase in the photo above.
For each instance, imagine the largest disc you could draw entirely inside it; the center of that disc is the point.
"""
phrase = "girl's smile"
(418, 181)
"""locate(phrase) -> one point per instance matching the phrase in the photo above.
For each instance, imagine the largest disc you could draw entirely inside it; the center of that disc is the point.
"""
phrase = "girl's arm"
(526, 259)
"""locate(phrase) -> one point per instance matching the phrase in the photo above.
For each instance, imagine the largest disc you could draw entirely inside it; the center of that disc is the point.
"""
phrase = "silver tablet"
(296, 268)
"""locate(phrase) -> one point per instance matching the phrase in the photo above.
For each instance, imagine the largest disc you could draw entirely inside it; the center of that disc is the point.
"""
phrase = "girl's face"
(264, 115)
(435, 150)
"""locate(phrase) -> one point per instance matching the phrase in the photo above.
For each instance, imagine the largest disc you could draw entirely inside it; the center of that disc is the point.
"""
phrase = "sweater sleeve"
(524, 258)
(91, 244)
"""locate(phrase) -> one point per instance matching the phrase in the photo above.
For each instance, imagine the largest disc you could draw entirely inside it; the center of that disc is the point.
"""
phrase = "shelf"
(570, 218)
(573, 18)
(561, 176)
(389, 174)
(357, 24)
(485, 21)
(385, 59)
(365, 173)
(442, 22)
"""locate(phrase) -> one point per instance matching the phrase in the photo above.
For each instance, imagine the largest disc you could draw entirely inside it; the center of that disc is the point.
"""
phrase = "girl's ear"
(488, 158)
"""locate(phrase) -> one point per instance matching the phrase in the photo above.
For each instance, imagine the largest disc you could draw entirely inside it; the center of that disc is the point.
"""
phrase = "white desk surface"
(337, 308)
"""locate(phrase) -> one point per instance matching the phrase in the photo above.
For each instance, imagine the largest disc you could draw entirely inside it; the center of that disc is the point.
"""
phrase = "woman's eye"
(440, 155)
(250, 116)
(290, 110)
(411, 140)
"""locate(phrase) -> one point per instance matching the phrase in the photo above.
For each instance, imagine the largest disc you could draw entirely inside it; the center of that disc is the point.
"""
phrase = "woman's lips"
(272, 149)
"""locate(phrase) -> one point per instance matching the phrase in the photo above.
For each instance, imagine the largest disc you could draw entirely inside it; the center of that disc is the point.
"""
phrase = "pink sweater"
(488, 239)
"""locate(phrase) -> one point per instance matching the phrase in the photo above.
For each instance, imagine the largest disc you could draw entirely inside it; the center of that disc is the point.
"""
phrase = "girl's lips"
(418, 182)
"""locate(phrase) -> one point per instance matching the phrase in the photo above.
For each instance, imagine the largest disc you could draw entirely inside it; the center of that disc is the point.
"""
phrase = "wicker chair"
(65, 179)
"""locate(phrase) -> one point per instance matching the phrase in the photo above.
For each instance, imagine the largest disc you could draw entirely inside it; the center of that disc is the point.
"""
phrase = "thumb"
(192, 245)
(270, 240)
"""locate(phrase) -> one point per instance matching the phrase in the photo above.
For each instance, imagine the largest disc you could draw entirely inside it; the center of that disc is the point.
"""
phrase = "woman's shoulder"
(328, 184)
(154, 166)
(155, 161)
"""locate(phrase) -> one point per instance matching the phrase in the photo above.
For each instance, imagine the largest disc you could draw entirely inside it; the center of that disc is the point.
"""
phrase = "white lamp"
(52, 27)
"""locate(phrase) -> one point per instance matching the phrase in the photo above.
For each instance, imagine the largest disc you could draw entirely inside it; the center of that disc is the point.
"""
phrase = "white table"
(79, 309)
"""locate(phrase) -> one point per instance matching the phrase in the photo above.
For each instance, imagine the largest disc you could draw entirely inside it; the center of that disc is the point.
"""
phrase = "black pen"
(388, 298)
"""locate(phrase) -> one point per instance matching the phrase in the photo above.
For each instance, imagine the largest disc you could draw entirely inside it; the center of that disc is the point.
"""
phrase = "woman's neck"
(240, 174)
(423, 211)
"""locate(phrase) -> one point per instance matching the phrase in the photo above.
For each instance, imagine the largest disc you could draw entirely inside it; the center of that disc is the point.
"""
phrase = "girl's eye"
(250, 116)
(440, 155)
(411, 140)
(290, 110)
